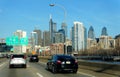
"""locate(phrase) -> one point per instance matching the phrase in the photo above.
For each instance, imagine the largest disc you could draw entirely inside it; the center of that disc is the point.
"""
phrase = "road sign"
(12, 40)
(24, 41)
(15, 40)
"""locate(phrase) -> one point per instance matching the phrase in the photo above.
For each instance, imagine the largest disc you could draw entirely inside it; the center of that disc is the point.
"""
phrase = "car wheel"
(24, 66)
(47, 67)
(54, 70)
(10, 66)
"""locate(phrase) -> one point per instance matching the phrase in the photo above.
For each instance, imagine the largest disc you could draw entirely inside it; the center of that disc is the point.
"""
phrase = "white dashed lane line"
(38, 74)
(28, 65)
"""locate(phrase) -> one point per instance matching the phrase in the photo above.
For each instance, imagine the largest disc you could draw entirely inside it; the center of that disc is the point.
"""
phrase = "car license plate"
(67, 62)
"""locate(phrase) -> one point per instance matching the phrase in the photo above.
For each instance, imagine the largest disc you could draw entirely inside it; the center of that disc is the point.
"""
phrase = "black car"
(62, 62)
(34, 58)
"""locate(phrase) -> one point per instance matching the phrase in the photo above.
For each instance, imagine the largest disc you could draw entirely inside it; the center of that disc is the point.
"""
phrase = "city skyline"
(25, 15)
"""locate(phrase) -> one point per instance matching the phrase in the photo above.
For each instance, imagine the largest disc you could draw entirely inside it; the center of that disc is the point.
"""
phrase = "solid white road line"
(39, 74)
(86, 74)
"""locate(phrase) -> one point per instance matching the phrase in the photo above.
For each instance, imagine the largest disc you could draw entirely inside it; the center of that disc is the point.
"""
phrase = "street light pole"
(65, 12)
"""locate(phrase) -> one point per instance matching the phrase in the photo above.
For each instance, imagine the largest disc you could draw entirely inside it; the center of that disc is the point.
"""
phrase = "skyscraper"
(59, 37)
(91, 41)
(64, 26)
(72, 37)
(79, 39)
(46, 38)
(52, 29)
(39, 36)
(91, 34)
(104, 31)
(63, 33)
(34, 38)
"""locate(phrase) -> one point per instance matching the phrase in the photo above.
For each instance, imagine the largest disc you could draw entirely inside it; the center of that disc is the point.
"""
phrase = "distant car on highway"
(17, 60)
(33, 58)
(62, 62)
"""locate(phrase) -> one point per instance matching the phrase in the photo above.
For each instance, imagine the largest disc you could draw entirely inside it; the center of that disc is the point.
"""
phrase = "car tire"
(24, 66)
(54, 70)
(10, 66)
(47, 67)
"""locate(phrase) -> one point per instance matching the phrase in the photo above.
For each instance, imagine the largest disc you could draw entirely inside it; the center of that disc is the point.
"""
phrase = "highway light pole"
(65, 13)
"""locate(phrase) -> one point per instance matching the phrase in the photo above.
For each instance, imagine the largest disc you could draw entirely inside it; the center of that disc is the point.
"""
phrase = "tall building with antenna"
(52, 29)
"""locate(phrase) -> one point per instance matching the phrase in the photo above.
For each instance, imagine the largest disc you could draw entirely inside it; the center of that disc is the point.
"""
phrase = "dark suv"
(62, 62)
(34, 58)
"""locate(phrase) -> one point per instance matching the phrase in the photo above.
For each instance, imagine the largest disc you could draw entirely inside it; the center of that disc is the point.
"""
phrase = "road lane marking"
(2, 64)
(78, 72)
(39, 74)
(42, 62)
(28, 65)
(86, 74)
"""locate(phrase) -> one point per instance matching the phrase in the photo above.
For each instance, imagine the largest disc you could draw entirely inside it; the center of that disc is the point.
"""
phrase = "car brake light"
(24, 57)
(58, 62)
(12, 57)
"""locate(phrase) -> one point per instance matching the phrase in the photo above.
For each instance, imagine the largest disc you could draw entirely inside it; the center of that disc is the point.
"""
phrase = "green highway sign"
(24, 41)
(15, 40)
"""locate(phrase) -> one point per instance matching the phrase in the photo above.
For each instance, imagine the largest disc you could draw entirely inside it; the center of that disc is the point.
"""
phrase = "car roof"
(62, 55)
(34, 55)
(17, 54)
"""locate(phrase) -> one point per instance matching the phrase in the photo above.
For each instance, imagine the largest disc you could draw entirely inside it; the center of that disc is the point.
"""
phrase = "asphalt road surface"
(33, 70)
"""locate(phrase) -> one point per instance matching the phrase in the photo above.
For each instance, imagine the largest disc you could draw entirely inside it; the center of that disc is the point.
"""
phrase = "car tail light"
(12, 57)
(76, 61)
(58, 62)
(24, 57)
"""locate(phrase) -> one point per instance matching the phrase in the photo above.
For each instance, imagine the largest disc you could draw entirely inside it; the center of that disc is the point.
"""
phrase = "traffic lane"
(5, 71)
(40, 68)
(32, 70)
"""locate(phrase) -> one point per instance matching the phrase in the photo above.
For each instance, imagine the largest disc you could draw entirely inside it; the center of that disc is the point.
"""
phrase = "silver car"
(18, 60)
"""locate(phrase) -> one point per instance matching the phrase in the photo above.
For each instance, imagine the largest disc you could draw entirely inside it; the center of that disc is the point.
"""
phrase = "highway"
(33, 70)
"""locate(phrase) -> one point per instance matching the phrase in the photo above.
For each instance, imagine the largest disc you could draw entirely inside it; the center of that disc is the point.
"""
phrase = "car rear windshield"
(34, 56)
(17, 56)
(65, 58)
